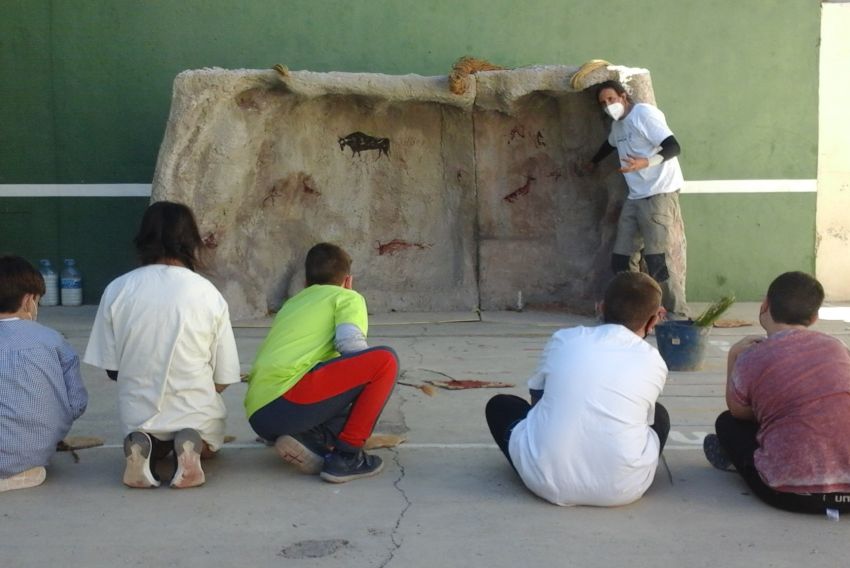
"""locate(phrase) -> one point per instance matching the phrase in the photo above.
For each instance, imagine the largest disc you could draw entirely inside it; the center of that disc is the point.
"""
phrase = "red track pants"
(367, 376)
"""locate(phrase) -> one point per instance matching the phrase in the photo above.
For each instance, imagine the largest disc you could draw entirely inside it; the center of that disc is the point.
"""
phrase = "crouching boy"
(41, 391)
(316, 388)
(593, 432)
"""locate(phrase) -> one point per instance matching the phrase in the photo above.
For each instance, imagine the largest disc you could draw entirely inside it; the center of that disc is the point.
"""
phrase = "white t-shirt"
(166, 330)
(640, 134)
(588, 441)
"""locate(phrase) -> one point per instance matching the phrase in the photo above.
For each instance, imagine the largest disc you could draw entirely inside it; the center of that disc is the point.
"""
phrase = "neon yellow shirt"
(301, 336)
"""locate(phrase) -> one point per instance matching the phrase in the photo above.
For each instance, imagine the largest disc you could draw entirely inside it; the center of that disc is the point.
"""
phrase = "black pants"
(738, 439)
(281, 417)
(504, 411)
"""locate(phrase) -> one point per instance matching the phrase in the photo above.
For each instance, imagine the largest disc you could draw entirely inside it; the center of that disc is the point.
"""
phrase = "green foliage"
(714, 311)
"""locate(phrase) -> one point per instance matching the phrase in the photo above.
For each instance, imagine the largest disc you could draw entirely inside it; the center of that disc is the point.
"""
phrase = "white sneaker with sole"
(188, 446)
(137, 472)
(30, 478)
(303, 458)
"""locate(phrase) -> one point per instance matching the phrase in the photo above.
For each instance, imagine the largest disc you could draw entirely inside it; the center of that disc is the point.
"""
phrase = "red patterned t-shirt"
(798, 385)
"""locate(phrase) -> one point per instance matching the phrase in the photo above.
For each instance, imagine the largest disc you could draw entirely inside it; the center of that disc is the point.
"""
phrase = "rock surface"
(445, 202)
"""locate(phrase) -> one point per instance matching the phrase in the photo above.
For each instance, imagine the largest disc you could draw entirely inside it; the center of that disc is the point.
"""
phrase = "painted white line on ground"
(836, 313)
(412, 446)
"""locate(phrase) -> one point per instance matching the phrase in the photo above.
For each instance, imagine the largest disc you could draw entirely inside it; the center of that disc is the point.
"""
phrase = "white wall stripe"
(752, 186)
(144, 189)
(76, 190)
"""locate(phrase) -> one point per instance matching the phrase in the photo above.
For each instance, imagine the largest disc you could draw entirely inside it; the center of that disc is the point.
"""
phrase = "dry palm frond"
(714, 311)
(577, 80)
(376, 441)
(463, 68)
(427, 389)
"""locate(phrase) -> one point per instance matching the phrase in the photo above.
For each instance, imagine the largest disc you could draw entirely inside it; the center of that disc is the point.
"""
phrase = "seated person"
(41, 390)
(164, 332)
(588, 436)
(316, 388)
(788, 396)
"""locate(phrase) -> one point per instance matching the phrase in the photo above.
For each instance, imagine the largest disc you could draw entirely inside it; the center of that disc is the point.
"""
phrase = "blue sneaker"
(715, 454)
(341, 466)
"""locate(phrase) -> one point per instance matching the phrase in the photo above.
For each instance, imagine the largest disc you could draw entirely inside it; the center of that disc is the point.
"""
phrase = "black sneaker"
(715, 454)
(344, 466)
(300, 452)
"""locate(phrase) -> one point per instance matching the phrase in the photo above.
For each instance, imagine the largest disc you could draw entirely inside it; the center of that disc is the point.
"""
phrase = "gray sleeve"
(349, 339)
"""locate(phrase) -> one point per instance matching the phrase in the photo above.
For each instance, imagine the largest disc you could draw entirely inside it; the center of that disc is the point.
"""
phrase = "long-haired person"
(163, 332)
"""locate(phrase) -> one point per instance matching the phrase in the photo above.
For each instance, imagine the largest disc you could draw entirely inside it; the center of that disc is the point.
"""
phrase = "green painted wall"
(740, 242)
(90, 80)
(86, 87)
(96, 231)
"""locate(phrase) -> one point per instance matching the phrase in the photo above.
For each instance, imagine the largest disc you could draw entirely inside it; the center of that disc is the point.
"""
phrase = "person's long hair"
(169, 232)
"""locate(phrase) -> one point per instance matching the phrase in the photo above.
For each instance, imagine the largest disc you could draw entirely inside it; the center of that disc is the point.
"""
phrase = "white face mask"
(615, 110)
(33, 312)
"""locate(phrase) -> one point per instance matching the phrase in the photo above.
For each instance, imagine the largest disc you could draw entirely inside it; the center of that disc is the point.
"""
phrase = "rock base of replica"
(445, 202)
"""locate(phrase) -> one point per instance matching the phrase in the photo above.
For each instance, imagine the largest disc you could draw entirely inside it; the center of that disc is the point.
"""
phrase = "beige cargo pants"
(645, 224)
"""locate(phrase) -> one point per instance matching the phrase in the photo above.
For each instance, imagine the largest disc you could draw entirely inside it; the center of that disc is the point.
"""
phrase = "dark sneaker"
(715, 454)
(188, 446)
(298, 451)
(344, 466)
(137, 450)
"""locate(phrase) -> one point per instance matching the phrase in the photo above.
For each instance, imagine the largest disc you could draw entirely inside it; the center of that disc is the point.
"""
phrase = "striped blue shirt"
(41, 394)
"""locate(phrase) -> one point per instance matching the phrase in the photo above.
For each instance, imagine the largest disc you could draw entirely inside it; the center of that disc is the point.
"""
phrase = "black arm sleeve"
(669, 148)
(112, 374)
(606, 149)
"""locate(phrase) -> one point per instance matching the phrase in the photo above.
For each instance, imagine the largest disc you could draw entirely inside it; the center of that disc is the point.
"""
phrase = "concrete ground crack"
(419, 356)
(395, 538)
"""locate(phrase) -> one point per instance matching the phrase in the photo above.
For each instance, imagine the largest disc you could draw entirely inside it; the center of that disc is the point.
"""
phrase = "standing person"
(787, 427)
(648, 152)
(594, 431)
(41, 390)
(163, 331)
(316, 388)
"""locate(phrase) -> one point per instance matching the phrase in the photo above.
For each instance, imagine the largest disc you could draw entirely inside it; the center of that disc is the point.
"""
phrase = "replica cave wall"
(445, 202)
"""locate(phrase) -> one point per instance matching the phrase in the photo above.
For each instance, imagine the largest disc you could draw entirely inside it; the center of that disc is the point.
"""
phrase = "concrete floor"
(446, 498)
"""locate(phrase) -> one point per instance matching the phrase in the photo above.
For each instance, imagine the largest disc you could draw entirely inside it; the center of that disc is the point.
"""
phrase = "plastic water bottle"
(71, 282)
(51, 284)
